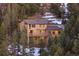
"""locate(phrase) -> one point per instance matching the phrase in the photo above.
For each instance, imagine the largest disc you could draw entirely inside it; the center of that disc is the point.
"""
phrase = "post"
(28, 36)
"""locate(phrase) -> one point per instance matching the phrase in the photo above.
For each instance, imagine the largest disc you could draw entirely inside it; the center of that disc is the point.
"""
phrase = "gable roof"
(38, 21)
(54, 28)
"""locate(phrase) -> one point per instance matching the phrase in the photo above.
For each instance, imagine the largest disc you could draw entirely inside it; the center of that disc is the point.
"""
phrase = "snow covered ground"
(36, 51)
(28, 51)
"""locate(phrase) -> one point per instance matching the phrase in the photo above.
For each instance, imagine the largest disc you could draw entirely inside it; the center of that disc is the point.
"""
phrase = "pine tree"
(68, 41)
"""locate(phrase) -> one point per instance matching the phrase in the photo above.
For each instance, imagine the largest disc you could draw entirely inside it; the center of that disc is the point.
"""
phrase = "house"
(38, 30)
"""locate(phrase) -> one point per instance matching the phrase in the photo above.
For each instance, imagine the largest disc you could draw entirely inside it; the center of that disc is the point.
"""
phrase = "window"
(59, 32)
(53, 32)
(33, 25)
(29, 25)
(42, 25)
(45, 37)
(31, 31)
(40, 31)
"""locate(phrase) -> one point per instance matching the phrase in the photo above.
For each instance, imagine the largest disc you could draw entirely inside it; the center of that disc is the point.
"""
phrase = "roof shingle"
(36, 21)
(54, 28)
